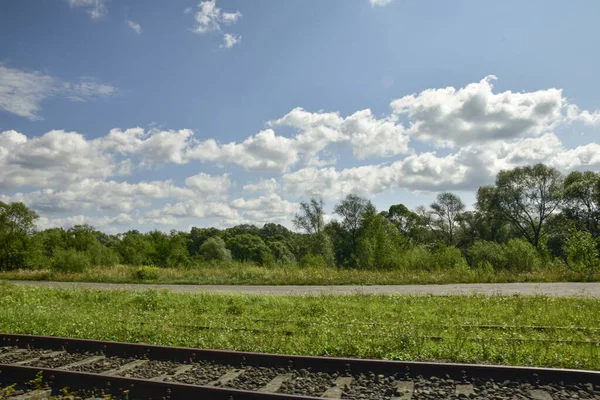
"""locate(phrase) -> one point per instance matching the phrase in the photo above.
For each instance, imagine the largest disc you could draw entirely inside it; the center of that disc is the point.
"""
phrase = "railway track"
(40, 367)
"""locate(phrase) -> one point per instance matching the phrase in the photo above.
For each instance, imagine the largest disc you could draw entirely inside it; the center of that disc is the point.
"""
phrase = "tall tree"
(17, 225)
(582, 200)
(525, 196)
(352, 210)
(311, 217)
(447, 210)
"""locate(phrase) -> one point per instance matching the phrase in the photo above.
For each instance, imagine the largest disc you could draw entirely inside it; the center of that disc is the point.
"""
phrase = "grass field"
(539, 331)
(246, 274)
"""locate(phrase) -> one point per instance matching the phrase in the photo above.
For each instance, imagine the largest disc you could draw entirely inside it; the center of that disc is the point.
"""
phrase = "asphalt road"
(549, 289)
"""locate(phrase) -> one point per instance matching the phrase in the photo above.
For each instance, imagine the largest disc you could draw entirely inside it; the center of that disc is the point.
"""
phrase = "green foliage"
(379, 244)
(214, 249)
(147, 273)
(17, 224)
(70, 260)
(521, 255)
(484, 253)
(582, 252)
(247, 247)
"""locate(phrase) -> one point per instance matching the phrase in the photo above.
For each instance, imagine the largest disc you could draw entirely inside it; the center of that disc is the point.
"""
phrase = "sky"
(148, 114)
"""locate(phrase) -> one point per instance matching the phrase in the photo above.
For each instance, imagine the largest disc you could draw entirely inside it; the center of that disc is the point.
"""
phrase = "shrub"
(310, 260)
(484, 253)
(214, 249)
(521, 255)
(147, 273)
(581, 250)
(447, 257)
(70, 260)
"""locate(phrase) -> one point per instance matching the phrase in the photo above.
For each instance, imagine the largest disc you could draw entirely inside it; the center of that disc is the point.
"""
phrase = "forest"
(531, 217)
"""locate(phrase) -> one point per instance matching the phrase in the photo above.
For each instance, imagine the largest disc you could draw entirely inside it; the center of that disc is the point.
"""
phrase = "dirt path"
(550, 289)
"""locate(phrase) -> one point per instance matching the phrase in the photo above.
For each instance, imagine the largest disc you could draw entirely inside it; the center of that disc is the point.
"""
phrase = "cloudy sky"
(129, 114)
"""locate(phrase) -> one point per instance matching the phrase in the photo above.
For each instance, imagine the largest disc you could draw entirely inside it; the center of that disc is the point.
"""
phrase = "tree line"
(529, 217)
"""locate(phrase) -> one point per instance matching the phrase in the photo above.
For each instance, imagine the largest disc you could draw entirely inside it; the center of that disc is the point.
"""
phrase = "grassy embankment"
(238, 274)
(494, 329)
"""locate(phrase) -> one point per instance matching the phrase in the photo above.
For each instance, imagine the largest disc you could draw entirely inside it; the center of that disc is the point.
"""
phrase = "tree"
(17, 225)
(525, 197)
(379, 244)
(352, 210)
(247, 247)
(214, 249)
(407, 222)
(447, 210)
(198, 236)
(311, 217)
(582, 200)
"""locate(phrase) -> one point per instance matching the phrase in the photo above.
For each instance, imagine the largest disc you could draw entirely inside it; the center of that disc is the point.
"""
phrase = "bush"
(581, 250)
(521, 255)
(147, 273)
(70, 260)
(436, 257)
(484, 253)
(314, 261)
(447, 257)
(214, 249)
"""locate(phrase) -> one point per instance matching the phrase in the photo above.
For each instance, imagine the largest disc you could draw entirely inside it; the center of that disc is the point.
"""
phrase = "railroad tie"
(336, 391)
(30, 360)
(228, 377)
(89, 360)
(538, 394)
(404, 389)
(33, 395)
(275, 384)
(124, 368)
(176, 371)
(465, 389)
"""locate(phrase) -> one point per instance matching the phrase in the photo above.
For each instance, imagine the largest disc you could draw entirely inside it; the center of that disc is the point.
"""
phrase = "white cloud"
(267, 208)
(22, 92)
(187, 10)
(62, 172)
(229, 40)
(114, 224)
(53, 159)
(474, 114)
(209, 185)
(96, 8)
(379, 3)
(585, 116)
(210, 17)
(135, 26)
(265, 185)
(466, 169)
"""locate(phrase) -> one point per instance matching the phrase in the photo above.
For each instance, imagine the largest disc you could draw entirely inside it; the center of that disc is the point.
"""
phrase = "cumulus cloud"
(265, 185)
(293, 158)
(454, 117)
(22, 92)
(466, 169)
(137, 28)
(96, 8)
(53, 159)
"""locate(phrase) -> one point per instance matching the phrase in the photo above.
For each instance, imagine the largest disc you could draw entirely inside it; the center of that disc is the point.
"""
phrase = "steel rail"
(132, 387)
(324, 364)
(151, 388)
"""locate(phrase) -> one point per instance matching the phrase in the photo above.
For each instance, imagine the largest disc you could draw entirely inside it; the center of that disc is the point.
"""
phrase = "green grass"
(477, 329)
(246, 274)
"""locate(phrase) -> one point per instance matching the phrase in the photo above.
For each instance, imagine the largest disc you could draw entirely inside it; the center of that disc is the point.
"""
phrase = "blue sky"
(152, 114)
